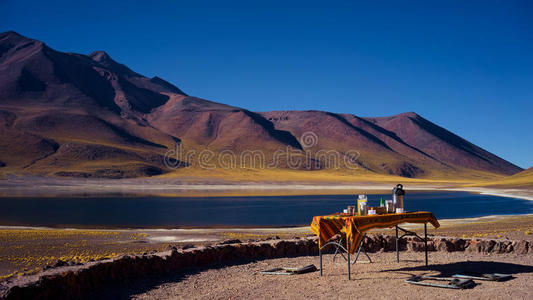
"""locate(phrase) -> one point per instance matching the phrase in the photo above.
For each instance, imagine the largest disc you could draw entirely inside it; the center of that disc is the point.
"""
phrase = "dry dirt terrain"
(29, 250)
(382, 279)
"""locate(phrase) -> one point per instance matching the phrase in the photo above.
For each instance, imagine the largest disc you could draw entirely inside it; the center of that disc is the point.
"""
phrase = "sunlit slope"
(523, 179)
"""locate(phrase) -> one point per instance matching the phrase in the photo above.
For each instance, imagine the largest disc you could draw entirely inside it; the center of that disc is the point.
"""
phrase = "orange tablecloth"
(326, 227)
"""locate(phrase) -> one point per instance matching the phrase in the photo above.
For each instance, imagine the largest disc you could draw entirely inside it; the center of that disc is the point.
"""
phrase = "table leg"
(426, 241)
(397, 250)
(320, 254)
(348, 255)
(358, 251)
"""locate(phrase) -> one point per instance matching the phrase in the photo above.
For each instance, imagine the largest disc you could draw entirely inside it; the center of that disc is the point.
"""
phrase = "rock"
(482, 246)
(487, 246)
(76, 282)
(521, 247)
(373, 243)
(230, 241)
(473, 246)
(459, 244)
(61, 263)
(389, 243)
(416, 246)
(444, 245)
(172, 248)
(187, 246)
(501, 247)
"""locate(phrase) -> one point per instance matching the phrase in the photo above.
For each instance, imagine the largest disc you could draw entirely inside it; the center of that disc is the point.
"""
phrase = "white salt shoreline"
(298, 229)
(97, 187)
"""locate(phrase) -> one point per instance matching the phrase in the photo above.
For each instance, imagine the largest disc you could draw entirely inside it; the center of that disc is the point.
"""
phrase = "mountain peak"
(100, 56)
(409, 114)
(12, 43)
(13, 37)
(9, 34)
(105, 59)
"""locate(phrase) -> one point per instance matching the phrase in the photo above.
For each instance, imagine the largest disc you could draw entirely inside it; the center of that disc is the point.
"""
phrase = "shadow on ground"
(127, 290)
(446, 270)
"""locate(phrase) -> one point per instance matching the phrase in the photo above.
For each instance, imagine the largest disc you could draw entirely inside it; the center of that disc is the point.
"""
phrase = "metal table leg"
(411, 233)
(348, 260)
(320, 254)
(397, 252)
(426, 241)
(340, 248)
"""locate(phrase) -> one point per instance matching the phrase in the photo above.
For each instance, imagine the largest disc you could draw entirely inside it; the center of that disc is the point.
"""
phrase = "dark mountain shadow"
(131, 138)
(447, 270)
(364, 133)
(395, 137)
(141, 99)
(167, 85)
(281, 135)
(79, 72)
(27, 82)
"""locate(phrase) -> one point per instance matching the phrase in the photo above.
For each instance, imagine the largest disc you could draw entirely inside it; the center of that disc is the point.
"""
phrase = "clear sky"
(465, 65)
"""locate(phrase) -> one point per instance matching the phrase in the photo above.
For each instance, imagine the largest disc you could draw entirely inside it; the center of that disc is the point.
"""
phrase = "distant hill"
(523, 179)
(74, 115)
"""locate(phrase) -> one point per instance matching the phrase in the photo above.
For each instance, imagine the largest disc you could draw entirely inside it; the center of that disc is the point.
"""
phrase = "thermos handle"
(399, 185)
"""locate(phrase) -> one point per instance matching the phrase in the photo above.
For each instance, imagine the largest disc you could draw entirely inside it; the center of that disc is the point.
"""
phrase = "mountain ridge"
(68, 114)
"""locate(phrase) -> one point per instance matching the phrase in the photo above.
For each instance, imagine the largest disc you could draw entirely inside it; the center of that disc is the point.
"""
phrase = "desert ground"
(381, 279)
(29, 250)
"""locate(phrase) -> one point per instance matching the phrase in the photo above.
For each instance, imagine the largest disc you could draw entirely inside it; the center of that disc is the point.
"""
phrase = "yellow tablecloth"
(326, 227)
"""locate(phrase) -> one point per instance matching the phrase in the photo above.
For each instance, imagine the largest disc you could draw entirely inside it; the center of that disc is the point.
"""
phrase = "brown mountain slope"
(50, 100)
(443, 145)
(405, 145)
(68, 114)
(218, 126)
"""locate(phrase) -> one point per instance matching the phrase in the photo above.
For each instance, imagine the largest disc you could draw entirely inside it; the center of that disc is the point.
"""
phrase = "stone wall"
(76, 281)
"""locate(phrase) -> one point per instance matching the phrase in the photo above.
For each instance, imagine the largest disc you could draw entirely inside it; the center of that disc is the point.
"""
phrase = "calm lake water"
(254, 211)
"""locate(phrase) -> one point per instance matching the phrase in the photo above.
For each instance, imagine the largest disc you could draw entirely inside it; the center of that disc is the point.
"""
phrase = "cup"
(371, 212)
(351, 210)
(345, 211)
(399, 210)
(389, 206)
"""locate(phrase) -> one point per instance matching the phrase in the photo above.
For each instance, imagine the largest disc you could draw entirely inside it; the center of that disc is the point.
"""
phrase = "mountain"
(67, 114)
(521, 180)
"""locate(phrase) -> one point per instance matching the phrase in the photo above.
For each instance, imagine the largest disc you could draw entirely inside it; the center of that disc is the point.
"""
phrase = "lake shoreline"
(237, 228)
(96, 189)
(31, 186)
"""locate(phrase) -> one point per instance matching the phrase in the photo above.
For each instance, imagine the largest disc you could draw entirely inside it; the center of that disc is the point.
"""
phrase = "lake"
(234, 211)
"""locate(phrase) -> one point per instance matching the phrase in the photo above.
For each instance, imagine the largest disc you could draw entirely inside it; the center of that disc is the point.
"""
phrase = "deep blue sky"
(465, 65)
